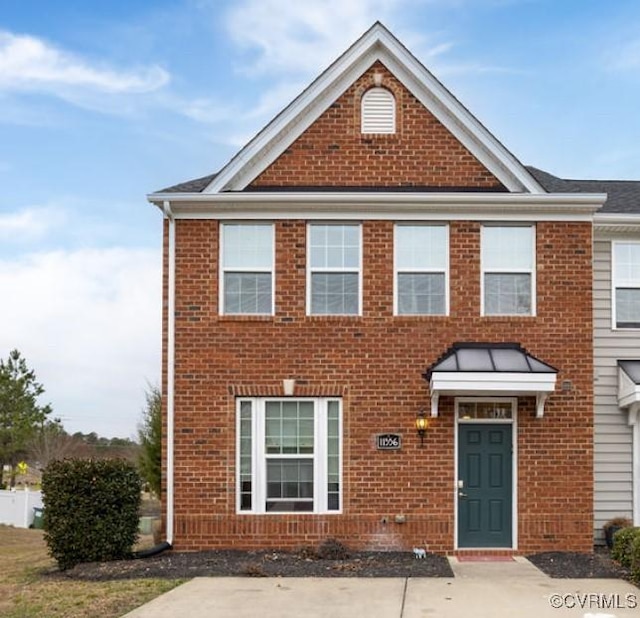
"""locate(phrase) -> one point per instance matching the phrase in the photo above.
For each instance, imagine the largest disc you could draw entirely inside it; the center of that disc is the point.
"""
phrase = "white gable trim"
(376, 44)
(457, 383)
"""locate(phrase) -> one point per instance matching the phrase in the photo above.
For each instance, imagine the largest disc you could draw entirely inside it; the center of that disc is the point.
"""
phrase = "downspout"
(171, 338)
(636, 473)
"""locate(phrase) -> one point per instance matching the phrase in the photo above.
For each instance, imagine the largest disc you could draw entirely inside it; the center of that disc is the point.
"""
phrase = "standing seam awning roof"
(490, 369)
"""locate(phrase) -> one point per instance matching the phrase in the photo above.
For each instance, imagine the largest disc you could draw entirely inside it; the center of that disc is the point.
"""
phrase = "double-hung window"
(508, 270)
(289, 455)
(626, 284)
(421, 258)
(334, 269)
(247, 256)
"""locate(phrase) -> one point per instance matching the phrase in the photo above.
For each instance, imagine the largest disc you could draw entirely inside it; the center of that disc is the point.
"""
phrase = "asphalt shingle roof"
(197, 185)
(623, 195)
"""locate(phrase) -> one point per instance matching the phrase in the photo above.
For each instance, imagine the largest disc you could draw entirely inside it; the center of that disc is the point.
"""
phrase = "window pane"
(485, 410)
(627, 264)
(333, 456)
(247, 246)
(507, 248)
(247, 293)
(628, 307)
(289, 427)
(290, 480)
(421, 247)
(334, 294)
(246, 476)
(420, 294)
(334, 246)
(507, 294)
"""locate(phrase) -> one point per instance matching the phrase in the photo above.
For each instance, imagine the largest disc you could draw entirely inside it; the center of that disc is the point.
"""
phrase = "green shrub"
(90, 510)
(623, 541)
(635, 558)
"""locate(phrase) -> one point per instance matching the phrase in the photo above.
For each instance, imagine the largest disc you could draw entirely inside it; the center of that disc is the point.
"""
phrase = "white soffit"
(538, 385)
(376, 44)
(629, 388)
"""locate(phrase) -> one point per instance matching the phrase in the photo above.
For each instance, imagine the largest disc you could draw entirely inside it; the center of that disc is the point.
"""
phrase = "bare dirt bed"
(307, 563)
(565, 565)
(172, 564)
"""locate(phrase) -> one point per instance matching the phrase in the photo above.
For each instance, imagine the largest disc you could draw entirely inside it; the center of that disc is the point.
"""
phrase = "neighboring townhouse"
(378, 327)
(616, 273)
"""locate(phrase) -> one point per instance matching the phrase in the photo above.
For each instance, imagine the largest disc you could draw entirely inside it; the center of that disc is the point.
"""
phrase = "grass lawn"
(30, 588)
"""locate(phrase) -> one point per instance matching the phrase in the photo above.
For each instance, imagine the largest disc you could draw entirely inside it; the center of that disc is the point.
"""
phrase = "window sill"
(290, 513)
(246, 318)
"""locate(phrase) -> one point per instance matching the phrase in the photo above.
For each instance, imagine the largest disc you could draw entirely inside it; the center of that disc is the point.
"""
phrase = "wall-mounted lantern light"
(421, 425)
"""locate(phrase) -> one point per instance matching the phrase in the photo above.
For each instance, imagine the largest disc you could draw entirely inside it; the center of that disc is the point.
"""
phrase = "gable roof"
(375, 44)
(623, 196)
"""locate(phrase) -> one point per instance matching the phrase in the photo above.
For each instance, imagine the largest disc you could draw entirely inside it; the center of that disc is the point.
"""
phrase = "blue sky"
(102, 103)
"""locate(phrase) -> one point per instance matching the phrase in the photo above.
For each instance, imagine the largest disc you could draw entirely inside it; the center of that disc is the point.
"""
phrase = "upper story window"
(289, 455)
(626, 284)
(378, 111)
(247, 257)
(508, 270)
(421, 273)
(334, 269)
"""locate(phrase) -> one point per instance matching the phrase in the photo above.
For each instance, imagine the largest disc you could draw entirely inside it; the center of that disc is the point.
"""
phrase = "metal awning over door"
(490, 369)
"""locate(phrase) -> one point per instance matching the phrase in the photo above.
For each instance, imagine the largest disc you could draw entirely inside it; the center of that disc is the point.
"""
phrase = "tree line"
(29, 432)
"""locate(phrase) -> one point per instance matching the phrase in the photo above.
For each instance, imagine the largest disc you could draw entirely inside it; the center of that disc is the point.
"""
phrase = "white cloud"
(301, 37)
(88, 322)
(29, 224)
(28, 63)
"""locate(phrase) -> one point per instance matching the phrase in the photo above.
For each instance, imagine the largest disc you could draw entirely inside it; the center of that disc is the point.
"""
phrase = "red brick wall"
(333, 152)
(376, 362)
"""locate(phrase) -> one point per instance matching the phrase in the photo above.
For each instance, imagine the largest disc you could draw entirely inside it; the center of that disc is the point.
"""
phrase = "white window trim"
(311, 271)
(507, 271)
(258, 472)
(514, 461)
(222, 270)
(397, 271)
(614, 309)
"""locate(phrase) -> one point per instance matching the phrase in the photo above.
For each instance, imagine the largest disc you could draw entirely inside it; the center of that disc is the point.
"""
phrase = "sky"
(102, 103)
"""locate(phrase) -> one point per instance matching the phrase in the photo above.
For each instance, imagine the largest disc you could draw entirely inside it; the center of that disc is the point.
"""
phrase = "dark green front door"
(484, 485)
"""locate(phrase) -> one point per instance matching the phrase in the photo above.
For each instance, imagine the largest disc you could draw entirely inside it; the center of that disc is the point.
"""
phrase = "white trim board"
(383, 205)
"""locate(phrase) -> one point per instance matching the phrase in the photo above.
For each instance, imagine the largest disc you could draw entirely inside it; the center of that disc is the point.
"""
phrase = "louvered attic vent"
(378, 111)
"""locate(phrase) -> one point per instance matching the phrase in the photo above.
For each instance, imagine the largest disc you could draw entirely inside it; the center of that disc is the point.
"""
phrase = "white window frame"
(311, 271)
(223, 270)
(614, 286)
(398, 271)
(507, 271)
(367, 123)
(259, 456)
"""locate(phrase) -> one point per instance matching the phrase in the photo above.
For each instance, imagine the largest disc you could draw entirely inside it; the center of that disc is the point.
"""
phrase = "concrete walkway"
(478, 590)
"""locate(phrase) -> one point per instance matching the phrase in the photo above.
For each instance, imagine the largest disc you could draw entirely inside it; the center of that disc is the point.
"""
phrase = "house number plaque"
(388, 441)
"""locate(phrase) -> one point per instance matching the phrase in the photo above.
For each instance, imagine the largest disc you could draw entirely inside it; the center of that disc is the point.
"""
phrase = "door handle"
(461, 494)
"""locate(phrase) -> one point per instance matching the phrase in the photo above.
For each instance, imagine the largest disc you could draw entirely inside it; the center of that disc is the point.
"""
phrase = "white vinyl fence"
(16, 507)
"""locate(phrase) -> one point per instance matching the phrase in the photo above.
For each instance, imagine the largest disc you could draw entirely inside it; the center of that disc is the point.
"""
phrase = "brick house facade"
(307, 260)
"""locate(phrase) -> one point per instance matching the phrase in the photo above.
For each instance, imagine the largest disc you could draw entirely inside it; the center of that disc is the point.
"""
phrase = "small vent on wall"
(378, 111)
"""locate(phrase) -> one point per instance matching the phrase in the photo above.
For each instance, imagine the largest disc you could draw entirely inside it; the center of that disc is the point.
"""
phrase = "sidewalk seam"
(404, 596)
